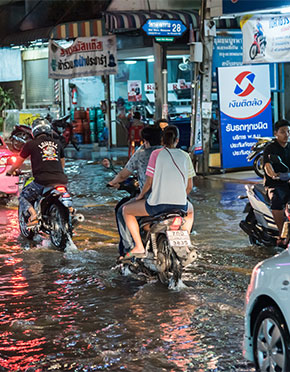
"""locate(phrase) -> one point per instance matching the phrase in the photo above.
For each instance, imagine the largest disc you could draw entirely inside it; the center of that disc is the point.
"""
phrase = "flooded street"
(71, 311)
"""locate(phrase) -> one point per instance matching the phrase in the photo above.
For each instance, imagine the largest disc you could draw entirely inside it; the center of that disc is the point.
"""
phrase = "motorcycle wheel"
(259, 166)
(253, 51)
(59, 225)
(168, 261)
(17, 145)
(22, 220)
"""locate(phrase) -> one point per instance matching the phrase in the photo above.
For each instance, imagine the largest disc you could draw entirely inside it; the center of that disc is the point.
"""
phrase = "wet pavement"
(73, 311)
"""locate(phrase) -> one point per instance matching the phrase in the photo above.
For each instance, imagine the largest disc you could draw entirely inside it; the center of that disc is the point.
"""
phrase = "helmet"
(41, 126)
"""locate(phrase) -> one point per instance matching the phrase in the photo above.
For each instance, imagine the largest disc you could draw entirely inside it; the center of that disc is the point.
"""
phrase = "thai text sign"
(87, 56)
(266, 38)
(164, 27)
(245, 111)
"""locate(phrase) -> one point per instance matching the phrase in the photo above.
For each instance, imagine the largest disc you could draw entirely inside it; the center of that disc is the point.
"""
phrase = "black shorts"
(279, 196)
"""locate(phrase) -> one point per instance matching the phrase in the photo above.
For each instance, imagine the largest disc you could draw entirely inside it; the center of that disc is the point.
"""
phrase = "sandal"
(128, 256)
(32, 221)
(282, 243)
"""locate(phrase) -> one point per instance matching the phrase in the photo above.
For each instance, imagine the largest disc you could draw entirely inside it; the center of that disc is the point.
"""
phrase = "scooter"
(55, 214)
(62, 130)
(259, 223)
(257, 154)
(258, 46)
(168, 248)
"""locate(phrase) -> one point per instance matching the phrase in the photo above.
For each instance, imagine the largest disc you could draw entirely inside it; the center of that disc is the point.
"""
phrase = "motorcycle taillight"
(287, 211)
(61, 188)
(176, 223)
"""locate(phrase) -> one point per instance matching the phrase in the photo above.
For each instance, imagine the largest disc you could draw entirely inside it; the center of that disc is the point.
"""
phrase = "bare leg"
(130, 211)
(188, 219)
(32, 212)
(279, 217)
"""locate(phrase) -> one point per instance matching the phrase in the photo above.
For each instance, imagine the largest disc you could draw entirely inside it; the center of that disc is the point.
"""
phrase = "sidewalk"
(94, 152)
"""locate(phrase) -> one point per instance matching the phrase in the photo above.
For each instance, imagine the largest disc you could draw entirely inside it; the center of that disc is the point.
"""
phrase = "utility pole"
(161, 80)
(207, 35)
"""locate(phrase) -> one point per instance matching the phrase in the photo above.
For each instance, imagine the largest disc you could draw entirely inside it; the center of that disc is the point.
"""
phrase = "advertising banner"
(10, 57)
(266, 38)
(241, 6)
(134, 90)
(87, 56)
(245, 111)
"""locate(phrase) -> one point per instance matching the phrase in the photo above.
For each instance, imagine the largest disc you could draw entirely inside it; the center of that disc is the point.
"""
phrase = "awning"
(72, 30)
(126, 21)
(69, 30)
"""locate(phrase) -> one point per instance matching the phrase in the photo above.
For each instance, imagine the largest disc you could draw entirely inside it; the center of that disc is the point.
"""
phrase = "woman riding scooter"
(169, 176)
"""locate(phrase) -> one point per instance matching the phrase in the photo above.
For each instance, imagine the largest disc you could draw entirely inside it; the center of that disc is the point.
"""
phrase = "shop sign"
(134, 90)
(266, 38)
(10, 57)
(245, 111)
(241, 6)
(87, 56)
(164, 27)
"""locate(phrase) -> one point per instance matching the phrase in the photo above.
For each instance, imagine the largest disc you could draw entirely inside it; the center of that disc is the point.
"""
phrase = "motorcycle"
(55, 214)
(257, 154)
(62, 130)
(259, 223)
(258, 46)
(168, 248)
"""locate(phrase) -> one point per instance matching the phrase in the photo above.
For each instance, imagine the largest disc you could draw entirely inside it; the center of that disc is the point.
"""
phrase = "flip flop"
(32, 222)
(130, 255)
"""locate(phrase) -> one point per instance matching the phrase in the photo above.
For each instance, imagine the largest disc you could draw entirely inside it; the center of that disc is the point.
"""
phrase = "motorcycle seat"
(261, 193)
(163, 216)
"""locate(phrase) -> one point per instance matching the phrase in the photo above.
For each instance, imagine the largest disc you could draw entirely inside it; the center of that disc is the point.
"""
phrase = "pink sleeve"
(152, 162)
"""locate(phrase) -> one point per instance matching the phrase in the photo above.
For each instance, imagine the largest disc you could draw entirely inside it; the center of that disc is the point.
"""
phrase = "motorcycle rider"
(278, 190)
(151, 136)
(169, 176)
(47, 163)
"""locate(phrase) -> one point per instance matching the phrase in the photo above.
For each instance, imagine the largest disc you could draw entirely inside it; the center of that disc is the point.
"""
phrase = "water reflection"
(71, 312)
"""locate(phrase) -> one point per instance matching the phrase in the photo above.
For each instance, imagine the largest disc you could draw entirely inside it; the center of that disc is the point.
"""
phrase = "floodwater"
(71, 311)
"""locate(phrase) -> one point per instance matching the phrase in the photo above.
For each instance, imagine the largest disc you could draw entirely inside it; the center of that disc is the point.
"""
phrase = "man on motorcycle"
(278, 190)
(47, 163)
(151, 136)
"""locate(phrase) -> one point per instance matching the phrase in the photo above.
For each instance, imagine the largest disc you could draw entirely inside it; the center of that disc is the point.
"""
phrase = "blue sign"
(164, 27)
(245, 111)
(240, 6)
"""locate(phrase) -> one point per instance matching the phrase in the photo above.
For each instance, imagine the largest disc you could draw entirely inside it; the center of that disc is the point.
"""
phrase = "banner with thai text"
(266, 38)
(87, 56)
(245, 111)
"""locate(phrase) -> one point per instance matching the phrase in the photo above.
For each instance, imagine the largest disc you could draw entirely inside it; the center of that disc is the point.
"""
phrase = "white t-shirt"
(169, 185)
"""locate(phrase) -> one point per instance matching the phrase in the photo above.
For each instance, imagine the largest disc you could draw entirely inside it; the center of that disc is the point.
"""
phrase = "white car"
(267, 318)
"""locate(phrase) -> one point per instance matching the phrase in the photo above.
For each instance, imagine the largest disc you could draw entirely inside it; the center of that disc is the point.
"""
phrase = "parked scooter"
(56, 216)
(168, 248)
(257, 154)
(259, 224)
(62, 130)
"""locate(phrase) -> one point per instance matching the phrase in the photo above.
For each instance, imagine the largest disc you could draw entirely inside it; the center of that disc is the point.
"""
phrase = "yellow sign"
(27, 118)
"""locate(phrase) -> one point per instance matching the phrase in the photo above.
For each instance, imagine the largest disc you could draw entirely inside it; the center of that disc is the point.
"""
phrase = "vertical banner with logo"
(245, 111)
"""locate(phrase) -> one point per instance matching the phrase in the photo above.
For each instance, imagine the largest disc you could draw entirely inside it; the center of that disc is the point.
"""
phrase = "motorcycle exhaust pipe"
(77, 219)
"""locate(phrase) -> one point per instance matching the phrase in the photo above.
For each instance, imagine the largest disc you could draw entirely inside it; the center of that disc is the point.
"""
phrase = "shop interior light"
(130, 62)
(150, 59)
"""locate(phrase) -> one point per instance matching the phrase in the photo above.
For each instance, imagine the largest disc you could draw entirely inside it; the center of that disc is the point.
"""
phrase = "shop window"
(39, 88)
(126, 72)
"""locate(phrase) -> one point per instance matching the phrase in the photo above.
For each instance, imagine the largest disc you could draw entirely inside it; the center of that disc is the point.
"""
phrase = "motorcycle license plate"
(178, 238)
